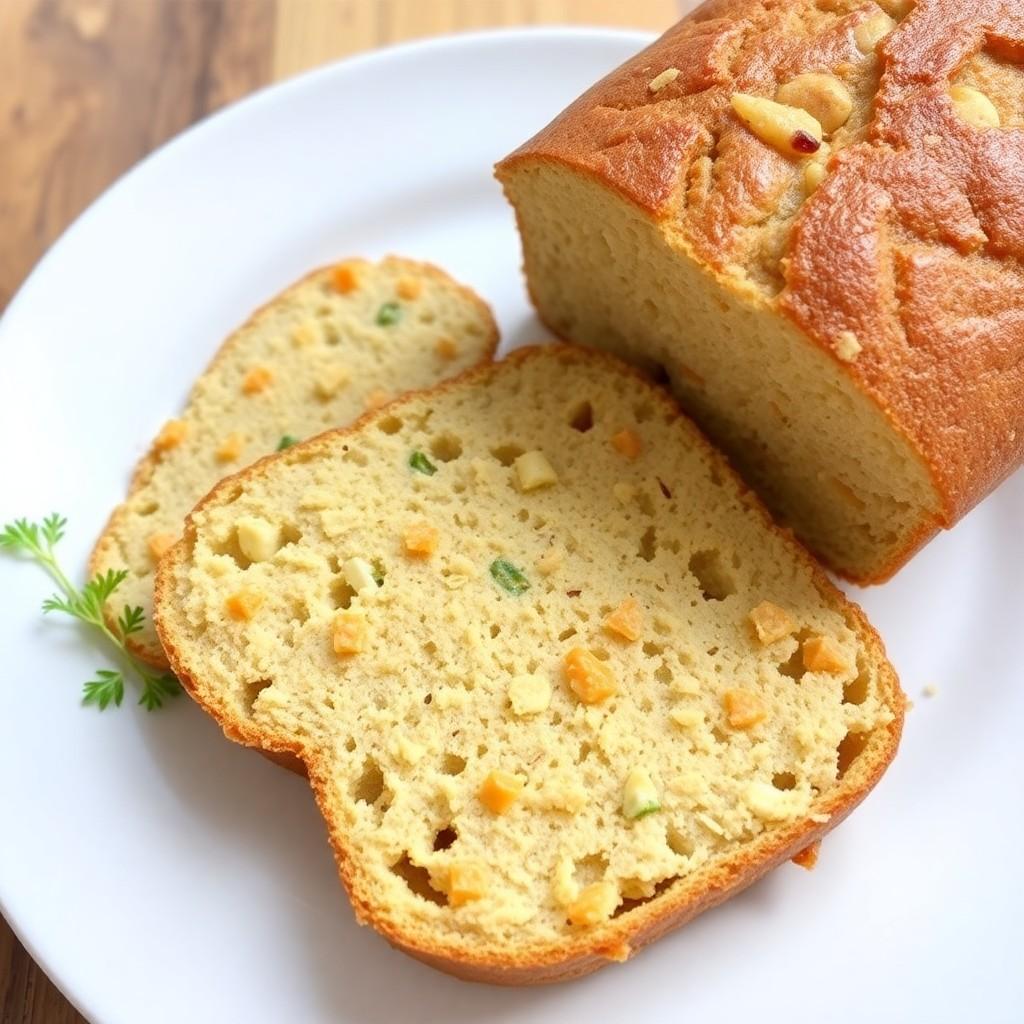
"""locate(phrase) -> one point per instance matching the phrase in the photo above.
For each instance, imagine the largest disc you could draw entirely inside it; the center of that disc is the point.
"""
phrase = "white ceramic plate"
(160, 873)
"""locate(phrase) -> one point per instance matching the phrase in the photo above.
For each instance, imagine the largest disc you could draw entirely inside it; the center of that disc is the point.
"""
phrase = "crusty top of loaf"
(912, 244)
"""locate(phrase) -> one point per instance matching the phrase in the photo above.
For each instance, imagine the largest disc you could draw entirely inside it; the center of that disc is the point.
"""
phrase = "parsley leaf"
(36, 541)
(157, 688)
(106, 688)
(286, 442)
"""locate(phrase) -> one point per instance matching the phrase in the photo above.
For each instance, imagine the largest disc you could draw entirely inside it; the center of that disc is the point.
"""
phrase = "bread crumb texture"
(814, 228)
(315, 357)
(525, 759)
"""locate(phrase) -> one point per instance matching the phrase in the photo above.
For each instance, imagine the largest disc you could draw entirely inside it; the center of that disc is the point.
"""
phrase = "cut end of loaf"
(605, 695)
(822, 454)
(344, 340)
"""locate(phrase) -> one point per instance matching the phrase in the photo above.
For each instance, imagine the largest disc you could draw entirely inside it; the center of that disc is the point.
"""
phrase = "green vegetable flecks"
(286, 442)
(508, 577)
(389, 314)
(422, 464)
(644, 809)
(37, 541)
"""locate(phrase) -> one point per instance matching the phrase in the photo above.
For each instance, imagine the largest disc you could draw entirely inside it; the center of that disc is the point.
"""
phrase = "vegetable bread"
(809, 213)
(341, 341)
(558, 682)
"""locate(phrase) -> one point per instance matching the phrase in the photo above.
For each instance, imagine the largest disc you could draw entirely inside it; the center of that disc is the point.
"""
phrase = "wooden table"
(88, 87)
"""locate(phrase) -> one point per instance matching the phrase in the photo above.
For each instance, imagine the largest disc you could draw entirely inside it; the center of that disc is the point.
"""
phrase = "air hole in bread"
(506, 454)
(567, 634)
(230, 547)
(793, 666)
(148, 508)
(453, 764)
(430, 648)
(663, 674)
(426, 316)
(341, 592)
(601, 653)
(446, 448)
(648, 545)
(653, 650)
(715, 581)
(645, 504)
(290, 534)
(495, 630)
(719, 734)
(481, 750)
(678, 842)
(350, 745)
(523, 515)
(853, 743)
(253, 690)
(369, 787)
(390, 425)
(444, 838)
(856, 691)
(582, 417)
(590, 869)
(332, 336)
(556, 718)
(418, 880)
(584, 752)
(631, 903)
(784, 780)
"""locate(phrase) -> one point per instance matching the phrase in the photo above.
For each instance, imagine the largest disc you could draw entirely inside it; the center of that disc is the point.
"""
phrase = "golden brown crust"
(914, 242)
(143, 470)
(585, 951)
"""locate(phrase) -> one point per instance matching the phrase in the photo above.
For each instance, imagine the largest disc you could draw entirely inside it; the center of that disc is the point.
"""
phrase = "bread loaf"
(808, 212)
(558, 682)
(341, 341)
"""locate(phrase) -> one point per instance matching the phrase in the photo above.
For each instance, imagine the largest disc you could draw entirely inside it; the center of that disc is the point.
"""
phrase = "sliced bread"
(558, 681)
(341, 341)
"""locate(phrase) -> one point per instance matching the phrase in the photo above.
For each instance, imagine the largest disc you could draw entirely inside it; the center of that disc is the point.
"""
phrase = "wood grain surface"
(88, 87)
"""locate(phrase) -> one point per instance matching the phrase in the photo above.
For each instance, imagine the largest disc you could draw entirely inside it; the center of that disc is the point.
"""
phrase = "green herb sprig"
(37, 541)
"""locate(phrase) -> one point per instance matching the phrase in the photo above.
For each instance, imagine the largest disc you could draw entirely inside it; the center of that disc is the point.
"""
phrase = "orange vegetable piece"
(627, 620)
(589, 677)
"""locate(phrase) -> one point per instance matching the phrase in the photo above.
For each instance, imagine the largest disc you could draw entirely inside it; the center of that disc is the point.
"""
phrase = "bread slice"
(341, 341)
(558, 682)
(843, 318)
